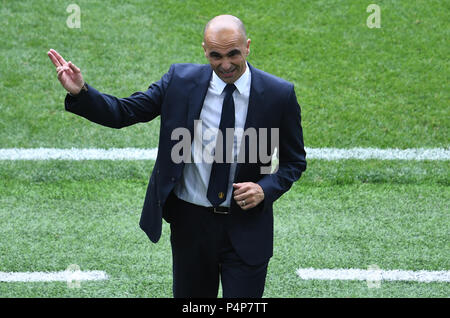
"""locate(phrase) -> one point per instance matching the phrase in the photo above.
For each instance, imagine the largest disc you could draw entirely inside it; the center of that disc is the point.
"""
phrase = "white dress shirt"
(193, 184)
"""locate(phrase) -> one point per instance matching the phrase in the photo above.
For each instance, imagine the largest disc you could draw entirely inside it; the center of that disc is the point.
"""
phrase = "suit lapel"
(256, 99)
(197, 97)
(255, 102)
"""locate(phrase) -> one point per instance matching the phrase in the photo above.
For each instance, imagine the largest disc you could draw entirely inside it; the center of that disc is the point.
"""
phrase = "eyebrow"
(231, 53)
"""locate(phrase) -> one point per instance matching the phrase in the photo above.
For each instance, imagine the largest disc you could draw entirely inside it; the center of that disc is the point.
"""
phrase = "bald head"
(226, 47)
(224, 23)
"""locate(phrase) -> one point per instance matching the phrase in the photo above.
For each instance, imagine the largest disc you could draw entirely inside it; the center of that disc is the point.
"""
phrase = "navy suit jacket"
(178, 98)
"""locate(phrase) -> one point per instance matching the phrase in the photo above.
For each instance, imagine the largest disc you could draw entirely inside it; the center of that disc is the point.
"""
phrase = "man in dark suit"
(220, 211)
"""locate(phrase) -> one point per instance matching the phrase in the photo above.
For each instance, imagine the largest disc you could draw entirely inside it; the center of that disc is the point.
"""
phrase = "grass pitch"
(358, 87)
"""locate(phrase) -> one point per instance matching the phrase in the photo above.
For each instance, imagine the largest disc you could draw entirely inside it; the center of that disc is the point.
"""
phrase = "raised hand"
(68, 74)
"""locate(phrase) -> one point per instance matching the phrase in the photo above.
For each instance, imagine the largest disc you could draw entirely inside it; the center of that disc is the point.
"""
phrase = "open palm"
(68, 74)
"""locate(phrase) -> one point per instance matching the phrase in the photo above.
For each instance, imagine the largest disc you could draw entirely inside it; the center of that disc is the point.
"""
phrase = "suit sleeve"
(291, 153)
(116, 112)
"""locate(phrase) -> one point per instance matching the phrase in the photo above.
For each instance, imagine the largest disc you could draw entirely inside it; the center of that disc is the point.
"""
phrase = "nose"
(226, 65)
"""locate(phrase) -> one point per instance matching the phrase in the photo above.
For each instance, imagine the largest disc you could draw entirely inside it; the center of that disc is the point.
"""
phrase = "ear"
(248, 46)
(204, 48)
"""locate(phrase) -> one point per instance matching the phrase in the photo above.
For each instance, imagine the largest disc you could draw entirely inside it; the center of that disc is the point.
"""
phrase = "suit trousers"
(203, 255)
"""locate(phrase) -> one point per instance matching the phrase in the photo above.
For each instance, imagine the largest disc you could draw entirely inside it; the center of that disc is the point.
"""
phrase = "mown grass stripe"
(150, 154)
(374, 275)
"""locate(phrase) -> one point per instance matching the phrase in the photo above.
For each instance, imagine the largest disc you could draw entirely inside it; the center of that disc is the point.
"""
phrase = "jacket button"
(173, 179)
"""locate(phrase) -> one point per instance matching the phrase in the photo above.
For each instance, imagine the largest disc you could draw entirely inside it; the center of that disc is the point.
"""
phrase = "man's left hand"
(248, 194)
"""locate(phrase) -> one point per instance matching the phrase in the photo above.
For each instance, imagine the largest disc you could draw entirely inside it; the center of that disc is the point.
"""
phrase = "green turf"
(59, 213)
(358, 87)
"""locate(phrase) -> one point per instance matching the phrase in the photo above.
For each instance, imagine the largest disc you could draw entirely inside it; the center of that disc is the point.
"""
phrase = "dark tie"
(220, 172)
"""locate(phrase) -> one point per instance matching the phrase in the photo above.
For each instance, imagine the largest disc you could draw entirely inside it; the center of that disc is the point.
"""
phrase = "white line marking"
(78, 154)
(150, 154)
(372, 275)
(380, 154)
(62, 276)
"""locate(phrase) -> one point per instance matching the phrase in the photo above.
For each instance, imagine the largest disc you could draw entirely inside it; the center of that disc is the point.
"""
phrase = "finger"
(248, 206)
(68, 69)
(251, 203)
(63, 69)
(60, 73)
(241, 203)
(58, 57)
(242, 189)
(248, 201)
(74, 68)
(53, 59)
(243, 196)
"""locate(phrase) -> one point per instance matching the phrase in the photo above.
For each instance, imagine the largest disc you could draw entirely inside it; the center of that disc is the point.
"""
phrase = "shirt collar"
(242, 84)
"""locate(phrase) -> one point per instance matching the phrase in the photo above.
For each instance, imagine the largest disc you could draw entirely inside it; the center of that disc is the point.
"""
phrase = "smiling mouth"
(228, 74)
